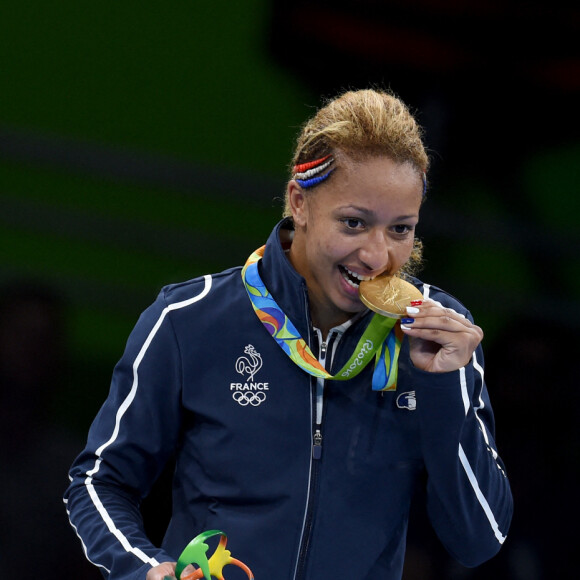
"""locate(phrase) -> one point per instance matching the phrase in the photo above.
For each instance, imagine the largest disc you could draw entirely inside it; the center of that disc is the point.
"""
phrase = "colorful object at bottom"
(195, 553)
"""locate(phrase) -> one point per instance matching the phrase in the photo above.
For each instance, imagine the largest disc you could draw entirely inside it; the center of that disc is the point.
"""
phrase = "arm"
(468, 494)
(129, 442)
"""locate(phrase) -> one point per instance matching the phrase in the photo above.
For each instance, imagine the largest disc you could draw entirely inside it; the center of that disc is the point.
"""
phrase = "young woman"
(296, 431)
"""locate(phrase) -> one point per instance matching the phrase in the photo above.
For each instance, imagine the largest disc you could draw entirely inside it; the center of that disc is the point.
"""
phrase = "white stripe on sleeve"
(121, 411)
(479, 494)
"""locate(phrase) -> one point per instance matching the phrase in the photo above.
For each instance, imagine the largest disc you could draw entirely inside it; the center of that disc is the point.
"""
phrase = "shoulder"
(437, 294)
(183, 294)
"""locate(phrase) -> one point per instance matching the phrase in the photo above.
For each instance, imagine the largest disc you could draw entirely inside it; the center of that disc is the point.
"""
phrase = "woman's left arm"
(468, 494)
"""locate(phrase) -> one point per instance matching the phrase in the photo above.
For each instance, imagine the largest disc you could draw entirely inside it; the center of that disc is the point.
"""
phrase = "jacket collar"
(289, 290)
(285, 284)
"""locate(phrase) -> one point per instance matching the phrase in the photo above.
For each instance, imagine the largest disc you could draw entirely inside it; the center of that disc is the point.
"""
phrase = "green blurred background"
(143, 143)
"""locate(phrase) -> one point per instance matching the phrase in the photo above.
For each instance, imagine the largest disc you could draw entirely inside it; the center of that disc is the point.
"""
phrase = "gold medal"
(388, 295)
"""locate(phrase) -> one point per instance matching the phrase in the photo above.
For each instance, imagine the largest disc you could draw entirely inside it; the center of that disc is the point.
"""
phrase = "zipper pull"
(317, 447)
(322, 358)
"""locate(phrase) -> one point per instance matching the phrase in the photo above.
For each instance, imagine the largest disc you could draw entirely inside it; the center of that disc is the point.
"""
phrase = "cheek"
(402, 254)
(323, 240)
(336, 249)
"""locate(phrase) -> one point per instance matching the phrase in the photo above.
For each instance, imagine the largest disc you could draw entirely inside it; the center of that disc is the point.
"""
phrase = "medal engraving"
(388, 295)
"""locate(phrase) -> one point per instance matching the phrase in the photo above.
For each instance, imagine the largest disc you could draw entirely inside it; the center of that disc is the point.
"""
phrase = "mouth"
(352, 278)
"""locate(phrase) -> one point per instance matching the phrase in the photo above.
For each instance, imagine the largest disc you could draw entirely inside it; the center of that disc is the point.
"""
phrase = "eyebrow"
(368, 212)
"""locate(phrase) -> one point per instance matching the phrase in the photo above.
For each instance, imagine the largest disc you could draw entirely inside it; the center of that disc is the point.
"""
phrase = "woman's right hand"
(161, 571)
(167, 569)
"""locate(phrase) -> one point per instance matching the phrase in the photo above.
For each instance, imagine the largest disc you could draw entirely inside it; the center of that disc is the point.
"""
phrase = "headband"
(309, 174)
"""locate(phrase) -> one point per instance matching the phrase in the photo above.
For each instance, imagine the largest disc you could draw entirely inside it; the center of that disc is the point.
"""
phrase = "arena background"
(143, 143)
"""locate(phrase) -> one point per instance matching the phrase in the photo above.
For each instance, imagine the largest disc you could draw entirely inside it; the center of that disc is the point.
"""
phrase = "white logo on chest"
(249, 392)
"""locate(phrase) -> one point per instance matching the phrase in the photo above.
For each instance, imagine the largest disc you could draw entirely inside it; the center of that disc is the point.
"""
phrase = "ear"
(297, 202)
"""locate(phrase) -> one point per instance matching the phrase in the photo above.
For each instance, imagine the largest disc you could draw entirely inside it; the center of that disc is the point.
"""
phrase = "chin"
(352, 308)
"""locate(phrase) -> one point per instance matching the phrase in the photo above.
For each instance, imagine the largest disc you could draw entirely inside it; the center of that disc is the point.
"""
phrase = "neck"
(326, 321)
(324, 316)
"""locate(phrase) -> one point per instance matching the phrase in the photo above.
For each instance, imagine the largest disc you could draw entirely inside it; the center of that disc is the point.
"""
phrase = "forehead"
(372, 176)
(369, 191)
(381, 165)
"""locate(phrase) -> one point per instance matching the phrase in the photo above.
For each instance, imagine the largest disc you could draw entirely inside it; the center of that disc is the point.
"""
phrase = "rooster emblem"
(251, 364)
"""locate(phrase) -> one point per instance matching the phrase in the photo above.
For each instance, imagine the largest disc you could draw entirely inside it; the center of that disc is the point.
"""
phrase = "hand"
(441, 340)
(167, 569)
(161, 571)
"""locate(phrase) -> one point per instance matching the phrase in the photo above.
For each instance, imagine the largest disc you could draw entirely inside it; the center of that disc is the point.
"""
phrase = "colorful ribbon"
(381, 339)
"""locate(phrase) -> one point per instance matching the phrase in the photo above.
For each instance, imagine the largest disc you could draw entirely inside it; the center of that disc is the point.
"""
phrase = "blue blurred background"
(143, 143)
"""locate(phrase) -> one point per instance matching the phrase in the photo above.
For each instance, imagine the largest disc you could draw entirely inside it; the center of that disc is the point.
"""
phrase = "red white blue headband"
(309, 174)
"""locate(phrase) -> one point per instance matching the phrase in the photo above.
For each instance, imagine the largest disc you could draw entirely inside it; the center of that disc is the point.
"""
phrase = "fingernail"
(407, 320)
(412, 310)
(416, 302)
(405, 327)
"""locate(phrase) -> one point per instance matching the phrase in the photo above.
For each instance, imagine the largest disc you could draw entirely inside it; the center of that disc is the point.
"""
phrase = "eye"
(403, 229)
(352, 223)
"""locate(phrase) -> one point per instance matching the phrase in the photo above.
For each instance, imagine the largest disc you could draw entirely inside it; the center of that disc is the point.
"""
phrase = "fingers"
(441, 338)
(432, 316)
(162, 571)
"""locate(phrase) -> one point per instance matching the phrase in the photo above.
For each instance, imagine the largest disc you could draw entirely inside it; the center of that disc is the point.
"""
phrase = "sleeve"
(129, 443)
(469, 501)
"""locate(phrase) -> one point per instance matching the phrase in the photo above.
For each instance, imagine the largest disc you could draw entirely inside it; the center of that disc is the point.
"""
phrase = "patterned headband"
(308, 174)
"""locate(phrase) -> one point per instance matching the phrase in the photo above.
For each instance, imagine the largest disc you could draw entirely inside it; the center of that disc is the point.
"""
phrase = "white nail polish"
(412, 310)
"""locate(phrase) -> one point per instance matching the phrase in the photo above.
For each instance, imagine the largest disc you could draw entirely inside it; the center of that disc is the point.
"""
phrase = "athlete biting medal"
(388, 295)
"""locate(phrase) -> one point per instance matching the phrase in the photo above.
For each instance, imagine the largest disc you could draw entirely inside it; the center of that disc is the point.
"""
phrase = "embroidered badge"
(249, 392)
(407, 401)
(251, 364)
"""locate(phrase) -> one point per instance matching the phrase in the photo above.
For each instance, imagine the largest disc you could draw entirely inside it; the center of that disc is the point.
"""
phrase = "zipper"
(299, 572)
(317, 401)
(319, 406)
(316, 413)
(317, 445)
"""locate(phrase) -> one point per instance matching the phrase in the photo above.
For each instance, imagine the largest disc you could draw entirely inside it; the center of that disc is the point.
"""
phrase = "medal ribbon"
(381, 339)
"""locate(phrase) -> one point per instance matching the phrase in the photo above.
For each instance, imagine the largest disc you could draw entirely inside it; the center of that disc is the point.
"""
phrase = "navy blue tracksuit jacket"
(309, 479)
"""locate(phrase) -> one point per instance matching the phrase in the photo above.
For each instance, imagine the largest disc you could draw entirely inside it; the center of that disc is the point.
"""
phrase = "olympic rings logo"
(245, 398)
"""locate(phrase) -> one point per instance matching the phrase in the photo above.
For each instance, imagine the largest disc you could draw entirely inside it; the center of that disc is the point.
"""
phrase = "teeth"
(357, 276)
(354, 275)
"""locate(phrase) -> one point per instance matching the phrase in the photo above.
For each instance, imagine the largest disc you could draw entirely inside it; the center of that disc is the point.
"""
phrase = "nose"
(375, 252)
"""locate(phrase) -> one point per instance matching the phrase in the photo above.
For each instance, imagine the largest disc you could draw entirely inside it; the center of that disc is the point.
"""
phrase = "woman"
(240, 376)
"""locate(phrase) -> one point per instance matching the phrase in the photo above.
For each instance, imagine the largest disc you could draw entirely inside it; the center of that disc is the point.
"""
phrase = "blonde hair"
(362, 124)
